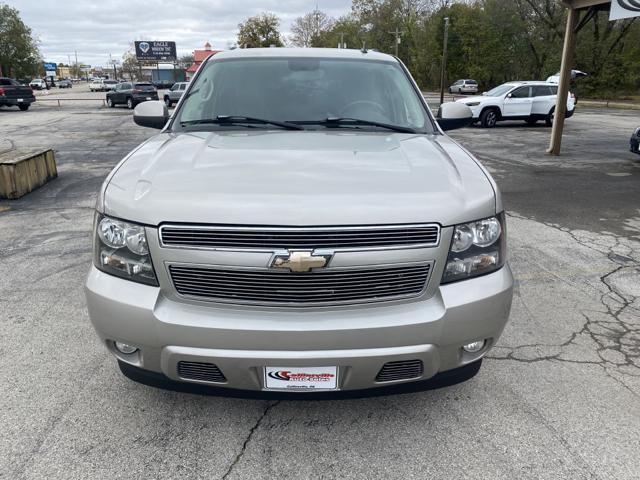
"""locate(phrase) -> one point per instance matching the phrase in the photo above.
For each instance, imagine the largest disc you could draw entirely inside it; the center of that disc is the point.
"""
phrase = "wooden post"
(568, 53)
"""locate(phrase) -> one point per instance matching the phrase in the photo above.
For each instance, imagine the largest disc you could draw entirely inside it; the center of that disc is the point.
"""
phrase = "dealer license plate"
(301, 378)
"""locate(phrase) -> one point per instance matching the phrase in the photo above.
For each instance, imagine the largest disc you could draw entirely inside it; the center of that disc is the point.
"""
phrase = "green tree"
(260, 31)
(19, 53)
(345, 30)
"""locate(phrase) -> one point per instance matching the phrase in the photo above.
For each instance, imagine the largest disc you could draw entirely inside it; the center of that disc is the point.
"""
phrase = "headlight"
(121, 249)
(477, 248)
(473, 104)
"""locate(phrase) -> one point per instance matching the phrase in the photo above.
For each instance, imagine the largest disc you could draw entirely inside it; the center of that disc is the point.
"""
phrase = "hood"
(474, 98)
(299, 178)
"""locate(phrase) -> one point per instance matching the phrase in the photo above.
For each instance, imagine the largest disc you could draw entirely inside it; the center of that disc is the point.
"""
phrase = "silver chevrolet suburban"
(301, 223)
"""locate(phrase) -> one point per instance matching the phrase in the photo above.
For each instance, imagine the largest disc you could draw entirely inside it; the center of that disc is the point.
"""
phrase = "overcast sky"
(100, 27)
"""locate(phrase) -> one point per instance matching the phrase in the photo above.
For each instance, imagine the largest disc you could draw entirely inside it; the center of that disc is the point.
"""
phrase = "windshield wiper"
(240, 120)
(337, 122)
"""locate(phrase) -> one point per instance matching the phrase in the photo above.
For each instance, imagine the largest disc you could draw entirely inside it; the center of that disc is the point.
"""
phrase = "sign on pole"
(50, 69)
(156, 51)
(624, 9)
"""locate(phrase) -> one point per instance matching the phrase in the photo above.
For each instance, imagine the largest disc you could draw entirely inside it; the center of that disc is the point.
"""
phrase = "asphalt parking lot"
(559, 397)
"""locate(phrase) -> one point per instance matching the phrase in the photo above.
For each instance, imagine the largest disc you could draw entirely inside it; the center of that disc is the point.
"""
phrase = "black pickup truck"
(14, 94)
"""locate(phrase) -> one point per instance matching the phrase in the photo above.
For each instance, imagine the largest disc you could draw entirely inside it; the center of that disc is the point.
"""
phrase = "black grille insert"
(202, 372)
(400, 370)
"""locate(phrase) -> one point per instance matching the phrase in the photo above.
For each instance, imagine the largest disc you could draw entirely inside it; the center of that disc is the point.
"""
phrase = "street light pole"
(444, 59)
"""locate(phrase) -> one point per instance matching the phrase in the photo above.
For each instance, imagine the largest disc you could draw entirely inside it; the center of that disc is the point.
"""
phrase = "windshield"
(110, 82)
(304, 90)
(501, 90)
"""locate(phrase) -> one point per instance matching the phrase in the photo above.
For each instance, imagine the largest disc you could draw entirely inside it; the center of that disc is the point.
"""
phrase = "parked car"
(529, 101)
(173, 95)
(316, 231)
(635, 141)
(464, 86)
(163, 84)
(102, 85)
(131, 94)
(575, 74)
(12, 93)
(64, 83)
(38, 84)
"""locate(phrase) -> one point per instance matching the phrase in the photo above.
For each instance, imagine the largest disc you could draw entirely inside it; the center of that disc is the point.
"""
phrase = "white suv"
(529, 101)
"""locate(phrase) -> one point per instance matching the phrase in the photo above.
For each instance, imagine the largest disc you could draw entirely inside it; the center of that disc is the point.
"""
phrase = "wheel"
(489, 118)
(24, 108)
(110, 102)
(451, 91)
(531, 121)
(549, 120)
(130, 103)
(167, 102)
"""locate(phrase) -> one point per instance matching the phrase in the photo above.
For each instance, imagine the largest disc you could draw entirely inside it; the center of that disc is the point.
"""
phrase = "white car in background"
(528, 101)
(102, 85)
(574, 75)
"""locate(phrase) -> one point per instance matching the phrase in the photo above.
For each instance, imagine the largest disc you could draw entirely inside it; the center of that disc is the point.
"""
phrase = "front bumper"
(242, 341)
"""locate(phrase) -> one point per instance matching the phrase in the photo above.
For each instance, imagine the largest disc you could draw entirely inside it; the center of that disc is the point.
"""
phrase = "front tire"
(24, 108)
(168, 102)
(130, 104)
(550, 118)
(110, 103)
(489, 118)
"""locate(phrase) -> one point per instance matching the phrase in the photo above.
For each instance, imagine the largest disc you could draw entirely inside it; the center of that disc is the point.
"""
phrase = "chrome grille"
(321, 287)
(269, 238)
(202, 372)
(401, 370)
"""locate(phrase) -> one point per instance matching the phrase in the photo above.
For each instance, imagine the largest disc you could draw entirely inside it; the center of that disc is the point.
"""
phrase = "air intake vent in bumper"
(201, 372)
(401, 370)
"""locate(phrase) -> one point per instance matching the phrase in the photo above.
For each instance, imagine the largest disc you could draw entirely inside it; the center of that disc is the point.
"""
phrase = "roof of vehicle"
(303, 52)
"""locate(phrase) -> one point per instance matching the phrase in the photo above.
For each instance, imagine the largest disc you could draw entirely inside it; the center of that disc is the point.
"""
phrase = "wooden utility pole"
(568, 53)
(398, 38)
(443, 73)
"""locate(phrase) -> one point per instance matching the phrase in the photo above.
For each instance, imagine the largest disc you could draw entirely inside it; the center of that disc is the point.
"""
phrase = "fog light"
(474, 347)
(125, 348)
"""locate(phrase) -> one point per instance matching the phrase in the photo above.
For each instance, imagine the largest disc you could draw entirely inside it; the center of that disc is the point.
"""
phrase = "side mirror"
(152, 114)
(452, 115)
(510, 95)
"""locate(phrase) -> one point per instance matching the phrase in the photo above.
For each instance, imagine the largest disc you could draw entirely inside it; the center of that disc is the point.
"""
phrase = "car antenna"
(364, 47)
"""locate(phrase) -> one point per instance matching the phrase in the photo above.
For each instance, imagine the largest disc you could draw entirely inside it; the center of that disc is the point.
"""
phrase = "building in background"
(200, 56)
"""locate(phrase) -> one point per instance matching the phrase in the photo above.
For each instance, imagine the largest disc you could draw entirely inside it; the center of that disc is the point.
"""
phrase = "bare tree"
(309, 27)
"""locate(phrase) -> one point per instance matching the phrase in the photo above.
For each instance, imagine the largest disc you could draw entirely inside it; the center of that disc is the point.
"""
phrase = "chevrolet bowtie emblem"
(300, 261)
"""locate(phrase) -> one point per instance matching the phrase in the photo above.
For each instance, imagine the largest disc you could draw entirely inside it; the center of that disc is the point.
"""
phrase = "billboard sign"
(156, 51)
(624, 9)
(50, 69)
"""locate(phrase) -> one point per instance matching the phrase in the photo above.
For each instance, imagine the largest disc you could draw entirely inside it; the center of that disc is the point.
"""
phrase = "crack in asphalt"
(617, 338)
(242, 451)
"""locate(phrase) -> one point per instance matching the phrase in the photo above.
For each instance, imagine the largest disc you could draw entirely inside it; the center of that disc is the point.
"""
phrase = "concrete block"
(22, 172)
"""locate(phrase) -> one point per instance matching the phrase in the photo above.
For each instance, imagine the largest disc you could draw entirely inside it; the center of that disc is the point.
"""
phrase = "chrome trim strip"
(304, 305)
(301, 230)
